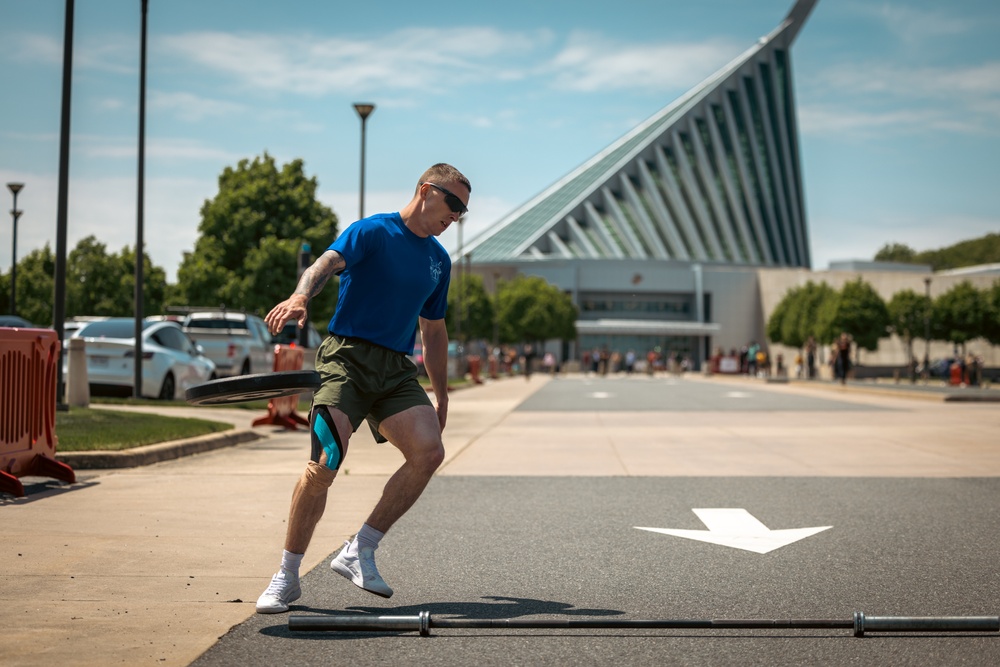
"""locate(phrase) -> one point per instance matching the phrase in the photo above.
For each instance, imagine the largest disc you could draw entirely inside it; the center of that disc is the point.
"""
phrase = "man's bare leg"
(417, 434)
(309, 500)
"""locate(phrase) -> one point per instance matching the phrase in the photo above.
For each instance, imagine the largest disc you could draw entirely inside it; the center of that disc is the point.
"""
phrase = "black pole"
(364, 110)
(139, 245)
(15, 214)
(423, 623)
(361, 203)
(59, 300)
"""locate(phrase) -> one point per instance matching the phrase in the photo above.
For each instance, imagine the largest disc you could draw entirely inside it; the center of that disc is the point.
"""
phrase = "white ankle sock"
(291, 562)
(368, 537)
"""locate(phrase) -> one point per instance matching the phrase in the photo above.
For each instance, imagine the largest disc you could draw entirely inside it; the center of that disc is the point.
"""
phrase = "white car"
(171, 363)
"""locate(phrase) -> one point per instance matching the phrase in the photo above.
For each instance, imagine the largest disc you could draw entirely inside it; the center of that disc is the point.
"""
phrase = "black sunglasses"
(451, 199)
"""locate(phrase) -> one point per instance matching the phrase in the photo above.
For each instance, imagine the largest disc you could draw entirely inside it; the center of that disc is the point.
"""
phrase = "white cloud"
(913, 25)
(903, 99)
(407, 59)
(193, 108)
(118, 54)
(591, 62)
(156, 148)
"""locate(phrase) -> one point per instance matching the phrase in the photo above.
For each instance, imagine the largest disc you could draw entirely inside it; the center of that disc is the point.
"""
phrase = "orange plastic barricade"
(281, 411)
(28, 359)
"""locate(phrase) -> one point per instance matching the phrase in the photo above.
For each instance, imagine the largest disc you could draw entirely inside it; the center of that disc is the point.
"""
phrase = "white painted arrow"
(739, 529)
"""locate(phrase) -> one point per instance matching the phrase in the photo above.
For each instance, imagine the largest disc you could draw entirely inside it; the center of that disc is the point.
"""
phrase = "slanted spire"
(712, 177)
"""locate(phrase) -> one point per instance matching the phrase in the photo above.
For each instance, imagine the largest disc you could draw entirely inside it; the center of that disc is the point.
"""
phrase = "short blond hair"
(444, 173)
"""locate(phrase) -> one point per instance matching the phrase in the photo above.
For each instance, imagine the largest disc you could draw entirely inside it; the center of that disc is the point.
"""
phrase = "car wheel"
(169, 390)
(245, 370)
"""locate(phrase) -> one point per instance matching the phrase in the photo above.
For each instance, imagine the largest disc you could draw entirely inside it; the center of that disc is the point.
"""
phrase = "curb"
(149, 454)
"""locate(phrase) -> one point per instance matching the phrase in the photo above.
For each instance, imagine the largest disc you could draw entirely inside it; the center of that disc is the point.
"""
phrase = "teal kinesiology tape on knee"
(324, 438)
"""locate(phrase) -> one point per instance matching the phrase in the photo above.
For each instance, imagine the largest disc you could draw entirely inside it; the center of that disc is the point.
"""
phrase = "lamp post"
(927, 329)
(15, 214)
(364, 110)
(140, 209)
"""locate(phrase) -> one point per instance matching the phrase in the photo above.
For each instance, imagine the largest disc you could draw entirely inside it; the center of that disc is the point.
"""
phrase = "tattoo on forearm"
(315, 277)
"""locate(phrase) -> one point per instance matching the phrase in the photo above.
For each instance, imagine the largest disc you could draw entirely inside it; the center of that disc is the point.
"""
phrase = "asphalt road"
(569, 547)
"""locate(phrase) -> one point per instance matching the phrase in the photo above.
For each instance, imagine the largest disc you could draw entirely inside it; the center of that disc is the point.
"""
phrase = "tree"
(907, 313)
(476, 309)
(34, 287)
(992, 332)
(530, 309)
(857, 309)
(794, 319)
(250, 237)
(98, 283)
(896, 252)
(961, 314)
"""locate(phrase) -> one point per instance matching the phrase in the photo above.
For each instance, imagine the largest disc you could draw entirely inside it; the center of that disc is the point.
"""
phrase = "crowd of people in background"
(752, 359)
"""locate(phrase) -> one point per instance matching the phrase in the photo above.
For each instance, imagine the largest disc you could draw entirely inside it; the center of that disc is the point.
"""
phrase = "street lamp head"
(364, 110)
(15, 187)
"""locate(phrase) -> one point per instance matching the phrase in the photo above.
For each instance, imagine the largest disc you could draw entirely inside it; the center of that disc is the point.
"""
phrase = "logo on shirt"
(435, 270)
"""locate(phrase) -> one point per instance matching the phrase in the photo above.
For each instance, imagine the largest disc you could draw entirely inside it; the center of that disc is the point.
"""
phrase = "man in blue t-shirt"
(394, 276)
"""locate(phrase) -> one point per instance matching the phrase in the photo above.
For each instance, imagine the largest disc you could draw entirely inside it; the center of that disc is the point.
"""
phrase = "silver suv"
(238, 343)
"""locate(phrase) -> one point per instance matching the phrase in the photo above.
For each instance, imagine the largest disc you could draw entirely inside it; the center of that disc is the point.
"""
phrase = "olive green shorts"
(366, 381)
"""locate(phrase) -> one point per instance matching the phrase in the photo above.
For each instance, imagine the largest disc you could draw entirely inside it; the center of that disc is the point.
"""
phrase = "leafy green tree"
(776, 322)
(530, 309)
(92, 281)
(984, 250)
(907, 313)
(476, 310)
(992, 332)
(794, 319)
(154, 281)
(961, 314)
(99, 283)
(857, 309)
(250, 237)
(896, 252)
(34, 287)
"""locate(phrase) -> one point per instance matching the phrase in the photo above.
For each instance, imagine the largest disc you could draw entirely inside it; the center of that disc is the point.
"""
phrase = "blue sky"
(899, 106)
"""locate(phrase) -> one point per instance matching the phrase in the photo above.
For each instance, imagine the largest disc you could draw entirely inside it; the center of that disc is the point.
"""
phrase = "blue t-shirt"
(392, 277)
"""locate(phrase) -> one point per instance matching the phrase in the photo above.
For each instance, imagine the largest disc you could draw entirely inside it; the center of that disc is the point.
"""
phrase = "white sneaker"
(360, 569)
(283, 590)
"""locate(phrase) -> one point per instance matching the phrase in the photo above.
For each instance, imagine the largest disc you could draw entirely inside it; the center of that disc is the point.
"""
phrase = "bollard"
(474, 365)
(282, 411)
(78, 388)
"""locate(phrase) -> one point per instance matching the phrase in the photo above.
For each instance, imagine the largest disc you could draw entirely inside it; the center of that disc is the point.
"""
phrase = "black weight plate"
(256, 387)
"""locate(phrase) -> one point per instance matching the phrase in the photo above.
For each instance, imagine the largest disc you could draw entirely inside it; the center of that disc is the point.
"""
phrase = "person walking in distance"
(394, 276)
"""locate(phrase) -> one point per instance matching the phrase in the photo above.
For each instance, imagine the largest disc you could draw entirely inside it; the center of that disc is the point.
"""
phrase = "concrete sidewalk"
(150, 565)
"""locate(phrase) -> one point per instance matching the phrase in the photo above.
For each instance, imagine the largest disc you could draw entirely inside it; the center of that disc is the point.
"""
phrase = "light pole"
(140, 209)
(364, 110)
(927, 329)
(15, 214)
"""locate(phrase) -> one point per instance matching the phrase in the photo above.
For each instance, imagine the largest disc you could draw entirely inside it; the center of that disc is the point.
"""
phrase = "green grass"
(83, 429)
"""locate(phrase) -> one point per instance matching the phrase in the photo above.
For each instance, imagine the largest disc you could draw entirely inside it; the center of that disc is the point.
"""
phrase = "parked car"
(292, 335)
(941, 368)
(238, 343)
(171, 362)
(14, 321)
